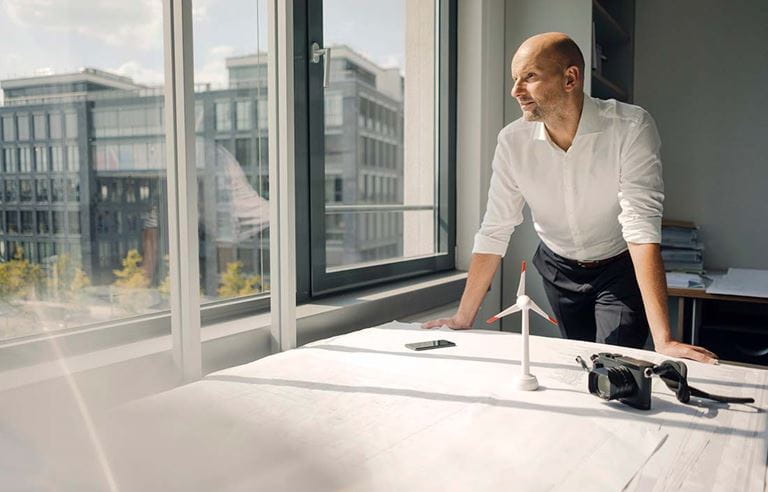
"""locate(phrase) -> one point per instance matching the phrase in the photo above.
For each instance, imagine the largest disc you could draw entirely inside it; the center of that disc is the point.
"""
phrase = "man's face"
(538, 86)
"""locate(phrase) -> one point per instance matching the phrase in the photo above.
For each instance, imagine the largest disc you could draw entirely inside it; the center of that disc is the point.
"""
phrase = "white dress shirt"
(587, 203)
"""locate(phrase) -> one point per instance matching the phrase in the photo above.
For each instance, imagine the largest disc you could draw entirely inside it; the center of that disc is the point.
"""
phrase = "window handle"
(316, 53)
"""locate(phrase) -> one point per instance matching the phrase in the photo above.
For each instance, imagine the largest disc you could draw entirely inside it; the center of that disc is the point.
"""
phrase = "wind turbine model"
(526, 381)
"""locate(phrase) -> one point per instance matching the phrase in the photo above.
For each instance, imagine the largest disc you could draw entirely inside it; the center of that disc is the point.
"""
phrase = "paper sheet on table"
(513, 450)
(684, 280)
(362, 412)
(741, 282)
(616, 460)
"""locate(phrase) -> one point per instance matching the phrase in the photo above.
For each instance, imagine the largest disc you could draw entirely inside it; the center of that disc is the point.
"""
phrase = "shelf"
(607, 86)
(612, 31)
(607, 29)
(750, 329)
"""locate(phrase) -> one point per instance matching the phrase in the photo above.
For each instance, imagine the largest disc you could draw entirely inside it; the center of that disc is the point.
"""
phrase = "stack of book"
(681, 248)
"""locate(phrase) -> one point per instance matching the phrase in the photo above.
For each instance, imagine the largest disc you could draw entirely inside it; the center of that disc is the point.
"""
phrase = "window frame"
(312, 278)
(179, 134)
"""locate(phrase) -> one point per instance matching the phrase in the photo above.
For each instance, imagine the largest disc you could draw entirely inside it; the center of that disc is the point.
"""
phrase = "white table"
(362, 412)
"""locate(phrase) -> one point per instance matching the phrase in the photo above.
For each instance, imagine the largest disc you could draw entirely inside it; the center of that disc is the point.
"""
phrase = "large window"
(25, 160)
(48, 112)
(9, 160)
(379, 128)
(41, 126)
(9, 128)
(23, 122)
(85, 154)
(232, 167)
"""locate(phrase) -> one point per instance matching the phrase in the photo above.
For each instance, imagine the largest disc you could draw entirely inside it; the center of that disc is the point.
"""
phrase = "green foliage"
(132, 285)
(68, 280)
(234, 283)
(132, 276)
(18, 277)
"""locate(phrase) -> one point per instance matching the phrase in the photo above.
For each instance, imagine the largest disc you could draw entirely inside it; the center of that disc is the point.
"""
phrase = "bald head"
(551, 50)
(548, 76)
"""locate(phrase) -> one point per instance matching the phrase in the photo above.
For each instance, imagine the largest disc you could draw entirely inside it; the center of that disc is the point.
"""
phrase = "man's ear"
(571, 77)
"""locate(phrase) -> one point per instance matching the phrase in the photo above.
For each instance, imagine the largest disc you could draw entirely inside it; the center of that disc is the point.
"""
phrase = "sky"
(125, 37)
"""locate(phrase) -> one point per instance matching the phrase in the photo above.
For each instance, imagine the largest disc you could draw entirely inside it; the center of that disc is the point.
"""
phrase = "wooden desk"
(702, 294)
(695, 297)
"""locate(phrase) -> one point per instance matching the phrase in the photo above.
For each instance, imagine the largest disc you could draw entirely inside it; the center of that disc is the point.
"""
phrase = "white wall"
(701, 69)
(525, 18)
(480, 87)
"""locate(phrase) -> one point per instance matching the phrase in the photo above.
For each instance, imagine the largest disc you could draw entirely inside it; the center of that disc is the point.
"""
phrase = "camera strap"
(675, 376)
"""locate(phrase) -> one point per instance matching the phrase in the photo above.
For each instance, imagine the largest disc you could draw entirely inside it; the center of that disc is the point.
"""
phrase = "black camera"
(616, 377)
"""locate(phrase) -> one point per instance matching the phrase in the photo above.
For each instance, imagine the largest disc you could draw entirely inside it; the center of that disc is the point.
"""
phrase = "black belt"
(596, 263)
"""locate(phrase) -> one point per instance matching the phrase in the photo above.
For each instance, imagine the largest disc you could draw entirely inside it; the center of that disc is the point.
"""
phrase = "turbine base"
(526, 382)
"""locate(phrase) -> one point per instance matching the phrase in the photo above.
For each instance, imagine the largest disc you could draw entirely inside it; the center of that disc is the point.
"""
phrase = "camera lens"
(611, 383)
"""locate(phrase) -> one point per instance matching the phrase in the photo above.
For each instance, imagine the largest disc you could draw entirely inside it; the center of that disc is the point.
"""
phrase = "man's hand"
(454, 323)
(481, 270)
(649, 269)
(673, 348)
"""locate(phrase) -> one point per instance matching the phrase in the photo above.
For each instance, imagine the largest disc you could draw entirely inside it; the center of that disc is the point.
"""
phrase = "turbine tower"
(526, 381)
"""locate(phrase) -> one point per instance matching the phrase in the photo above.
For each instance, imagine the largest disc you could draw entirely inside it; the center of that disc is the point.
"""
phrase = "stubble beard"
(547, 108)
(537, 114)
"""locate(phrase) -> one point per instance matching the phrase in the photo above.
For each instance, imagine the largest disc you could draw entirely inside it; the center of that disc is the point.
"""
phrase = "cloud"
(14, 60)
(221, 51)
(200, 10)
(140, 74)
(391, 61)
(135, 23)
(214, 69)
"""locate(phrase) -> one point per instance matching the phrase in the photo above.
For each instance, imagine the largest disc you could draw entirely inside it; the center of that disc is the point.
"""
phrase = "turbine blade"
(542, 313)
(521, 285)
(512, 309)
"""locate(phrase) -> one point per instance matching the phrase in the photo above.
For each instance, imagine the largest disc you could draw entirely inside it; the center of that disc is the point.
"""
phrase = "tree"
(18, 277)
(234, 283)
(68, 279)
(131, 286)
(132, 276)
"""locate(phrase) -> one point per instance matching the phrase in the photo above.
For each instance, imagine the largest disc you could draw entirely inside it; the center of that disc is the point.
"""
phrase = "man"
(591, 175)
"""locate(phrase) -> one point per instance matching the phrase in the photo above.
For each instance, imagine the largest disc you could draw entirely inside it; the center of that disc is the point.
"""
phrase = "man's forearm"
(482, 268)
(652, 280)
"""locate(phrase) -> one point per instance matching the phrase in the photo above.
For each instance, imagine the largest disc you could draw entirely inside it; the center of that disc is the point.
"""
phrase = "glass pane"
(380, 131)
(74, 250)
(232, 148)
(371, 232)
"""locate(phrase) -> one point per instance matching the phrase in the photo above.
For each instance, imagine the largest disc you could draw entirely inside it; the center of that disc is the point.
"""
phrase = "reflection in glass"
(232, 150)
(73, 250)
(83, 206)
(380, 132)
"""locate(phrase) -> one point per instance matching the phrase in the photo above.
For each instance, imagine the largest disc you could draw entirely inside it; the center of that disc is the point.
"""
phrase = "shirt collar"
(590, 117)
(588, 123)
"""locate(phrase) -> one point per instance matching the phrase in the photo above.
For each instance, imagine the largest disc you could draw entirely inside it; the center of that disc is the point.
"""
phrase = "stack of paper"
(685, 280)
(681, 248)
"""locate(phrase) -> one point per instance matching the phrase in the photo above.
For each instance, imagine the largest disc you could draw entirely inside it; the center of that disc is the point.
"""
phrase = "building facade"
(83, 165)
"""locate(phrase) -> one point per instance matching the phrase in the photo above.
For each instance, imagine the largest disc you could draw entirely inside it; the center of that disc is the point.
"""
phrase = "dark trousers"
(596, 304)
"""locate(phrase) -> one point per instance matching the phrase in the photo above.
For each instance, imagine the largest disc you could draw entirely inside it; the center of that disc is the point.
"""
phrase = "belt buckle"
(587, 264)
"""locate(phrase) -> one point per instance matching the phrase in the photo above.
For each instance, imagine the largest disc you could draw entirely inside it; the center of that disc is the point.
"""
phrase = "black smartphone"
(432, 344)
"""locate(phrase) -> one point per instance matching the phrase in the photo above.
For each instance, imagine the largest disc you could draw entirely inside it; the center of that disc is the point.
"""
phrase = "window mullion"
(182, 187)
(282, 175)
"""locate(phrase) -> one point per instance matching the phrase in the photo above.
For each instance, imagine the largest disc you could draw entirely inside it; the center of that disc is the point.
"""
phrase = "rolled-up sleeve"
(641, 187)
(504, 211)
